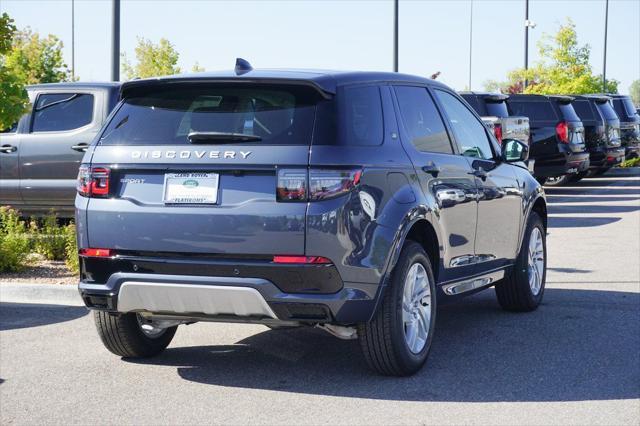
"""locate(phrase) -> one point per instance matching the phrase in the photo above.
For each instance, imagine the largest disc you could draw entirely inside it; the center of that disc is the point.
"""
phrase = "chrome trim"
(469, 259)
(136, 296)
(475, 283)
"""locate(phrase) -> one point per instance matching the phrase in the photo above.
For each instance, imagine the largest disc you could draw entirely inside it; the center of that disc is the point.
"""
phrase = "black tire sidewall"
(523, 262)
(412, 253)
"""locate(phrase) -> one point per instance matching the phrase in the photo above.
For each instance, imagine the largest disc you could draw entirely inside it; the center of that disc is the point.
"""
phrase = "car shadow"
(591, 191)
(579, 221)
(596, 208)
(576, 346)
(554, 199)
(24, 315)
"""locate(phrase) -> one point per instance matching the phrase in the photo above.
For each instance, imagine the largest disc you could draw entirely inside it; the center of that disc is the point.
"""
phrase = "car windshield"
(266, 114)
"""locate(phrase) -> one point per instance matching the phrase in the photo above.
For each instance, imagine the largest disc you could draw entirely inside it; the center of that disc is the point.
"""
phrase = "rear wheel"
(559, 180)
(398, 339)
(522, 290)
(130, 336)
(579, 176)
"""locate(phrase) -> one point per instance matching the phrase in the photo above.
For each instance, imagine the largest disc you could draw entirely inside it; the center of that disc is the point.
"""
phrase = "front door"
(444, 176)
(499, 192)
(9, 167)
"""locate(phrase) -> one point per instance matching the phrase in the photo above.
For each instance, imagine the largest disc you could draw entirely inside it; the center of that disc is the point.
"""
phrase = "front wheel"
(398, 339)
(522, 290)
(130, 336)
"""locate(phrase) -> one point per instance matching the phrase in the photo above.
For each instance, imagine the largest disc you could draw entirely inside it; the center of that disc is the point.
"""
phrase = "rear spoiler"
(563, 99)
(129, 86)
(497, 97)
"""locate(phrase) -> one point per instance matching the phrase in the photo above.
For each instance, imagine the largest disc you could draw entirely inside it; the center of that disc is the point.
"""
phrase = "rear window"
(568, 113)
(276, 115)
(607, 111)
(624, 107)
(583, 109)
(497, 109)
(535, 110)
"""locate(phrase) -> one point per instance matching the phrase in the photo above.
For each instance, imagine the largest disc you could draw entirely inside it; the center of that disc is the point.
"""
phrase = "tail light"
(562, 130)
(316, 260)
(96, 252)
(497, 130)
(315, 184)
(93, 181)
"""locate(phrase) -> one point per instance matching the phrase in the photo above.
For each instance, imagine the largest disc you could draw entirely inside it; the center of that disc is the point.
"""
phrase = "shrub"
(632, 162)
(71, 249)
(14, 241)
(50, 240)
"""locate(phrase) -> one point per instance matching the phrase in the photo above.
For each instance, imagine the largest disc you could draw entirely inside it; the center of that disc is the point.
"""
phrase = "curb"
(51, 294)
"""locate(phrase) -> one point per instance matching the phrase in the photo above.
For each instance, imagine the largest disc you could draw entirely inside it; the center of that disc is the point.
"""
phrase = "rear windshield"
(583, 109)
(276, 115)
(568, 113)
(535, 110)
(607, 111)
(624, 107)
(497, 109)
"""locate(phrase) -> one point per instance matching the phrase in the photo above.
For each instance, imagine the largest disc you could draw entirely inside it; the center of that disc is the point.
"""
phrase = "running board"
(475, 283)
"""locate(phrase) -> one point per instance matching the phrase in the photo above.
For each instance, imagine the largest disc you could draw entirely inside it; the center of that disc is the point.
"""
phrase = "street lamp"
(527, 24)
(395, 35)
(604, 64)
(470, 40)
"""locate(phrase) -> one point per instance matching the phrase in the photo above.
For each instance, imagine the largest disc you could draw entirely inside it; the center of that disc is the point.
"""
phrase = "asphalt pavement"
(576, 360)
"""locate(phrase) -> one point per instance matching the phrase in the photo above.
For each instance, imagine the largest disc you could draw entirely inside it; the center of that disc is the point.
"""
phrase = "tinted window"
(470, 133)
(583, 109)
(62, 111)
(475, 103)
(624, 108)
(628, 105)
(607, 111)
(497, 109)
(11, 129)
(360, 116)
(535, 110)
(422, 120)
(162, 116)
(568, 113)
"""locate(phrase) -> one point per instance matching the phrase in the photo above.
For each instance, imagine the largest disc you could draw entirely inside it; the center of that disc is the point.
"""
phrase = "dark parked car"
(602, 132)
(492, 108)
(629, 124)
(352, 201)
(40, 155)
(557, 136)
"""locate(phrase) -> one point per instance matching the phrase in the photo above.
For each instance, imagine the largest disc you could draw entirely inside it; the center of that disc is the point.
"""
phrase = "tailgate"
(515, 128)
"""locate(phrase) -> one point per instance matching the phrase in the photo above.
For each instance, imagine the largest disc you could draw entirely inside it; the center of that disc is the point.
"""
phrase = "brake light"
(93, 181)
(301, 259)
(315, 184)
(96, 252)
(562, 130)
(498, 132)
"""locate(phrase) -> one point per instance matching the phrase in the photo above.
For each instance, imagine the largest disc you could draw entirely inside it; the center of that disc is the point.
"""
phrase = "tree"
(153, 60)
(197, 68)
(634, 92)
(13, 96)
(34, 59)
(563, 68)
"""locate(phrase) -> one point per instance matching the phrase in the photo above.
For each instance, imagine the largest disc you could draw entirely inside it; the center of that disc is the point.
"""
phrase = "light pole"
(470, 40)
(73, 41)
(527, 24)
(115, 40)
(395, 35)
(604, 64)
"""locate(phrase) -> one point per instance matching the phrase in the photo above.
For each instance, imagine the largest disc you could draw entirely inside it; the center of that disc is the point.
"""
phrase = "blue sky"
(333, 34)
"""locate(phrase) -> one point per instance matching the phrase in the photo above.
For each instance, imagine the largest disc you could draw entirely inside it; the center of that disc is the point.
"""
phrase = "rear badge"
(185, 155)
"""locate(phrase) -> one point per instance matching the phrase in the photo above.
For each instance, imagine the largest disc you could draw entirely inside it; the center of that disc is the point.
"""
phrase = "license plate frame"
(191, 188)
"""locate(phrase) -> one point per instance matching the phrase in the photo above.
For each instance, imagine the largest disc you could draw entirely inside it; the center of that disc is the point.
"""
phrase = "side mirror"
(514, 151)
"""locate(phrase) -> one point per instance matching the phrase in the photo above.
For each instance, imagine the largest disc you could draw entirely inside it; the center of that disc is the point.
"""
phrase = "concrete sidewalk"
(53, 294)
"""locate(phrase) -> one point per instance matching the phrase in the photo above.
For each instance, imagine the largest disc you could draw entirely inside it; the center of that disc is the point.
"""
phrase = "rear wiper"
(221, 137)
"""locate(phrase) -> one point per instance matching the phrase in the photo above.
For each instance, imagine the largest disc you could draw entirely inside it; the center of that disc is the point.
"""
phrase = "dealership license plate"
(191, 188)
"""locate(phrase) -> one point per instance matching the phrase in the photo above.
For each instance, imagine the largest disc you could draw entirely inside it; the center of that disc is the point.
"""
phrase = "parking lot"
(576, 360)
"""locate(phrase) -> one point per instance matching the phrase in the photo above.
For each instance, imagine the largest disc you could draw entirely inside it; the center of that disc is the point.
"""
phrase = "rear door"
(9, 166)
(444, 176)
(194, 169)
(62, 124)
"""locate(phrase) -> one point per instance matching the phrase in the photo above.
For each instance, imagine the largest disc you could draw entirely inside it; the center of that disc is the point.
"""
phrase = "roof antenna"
(242, 66)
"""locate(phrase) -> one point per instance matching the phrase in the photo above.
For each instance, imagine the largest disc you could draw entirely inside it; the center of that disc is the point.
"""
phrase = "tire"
(382, 340)
(122, 335)
(559, 180)
(578, 176)
(514, 292)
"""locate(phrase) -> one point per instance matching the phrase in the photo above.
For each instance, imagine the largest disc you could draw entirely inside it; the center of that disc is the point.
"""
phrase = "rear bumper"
(219, 297)
(604, 158)
(562, 164)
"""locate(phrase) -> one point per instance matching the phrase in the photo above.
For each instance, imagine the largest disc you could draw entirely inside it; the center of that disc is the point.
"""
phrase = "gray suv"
(351, 201)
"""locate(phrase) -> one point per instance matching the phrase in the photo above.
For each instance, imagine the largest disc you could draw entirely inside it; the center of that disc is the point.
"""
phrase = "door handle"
(6, 149)
(82, 147)
(479, 174)
(432, 169)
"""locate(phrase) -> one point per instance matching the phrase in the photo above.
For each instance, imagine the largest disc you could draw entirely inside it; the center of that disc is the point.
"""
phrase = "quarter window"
(470, 133)
(56, 112)
(422, 120)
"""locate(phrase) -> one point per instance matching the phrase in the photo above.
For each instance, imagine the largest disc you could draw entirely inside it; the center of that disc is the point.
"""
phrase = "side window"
(54, 112)
(422, 120)
(361, 120)
(470, 133)
(11, 129)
